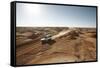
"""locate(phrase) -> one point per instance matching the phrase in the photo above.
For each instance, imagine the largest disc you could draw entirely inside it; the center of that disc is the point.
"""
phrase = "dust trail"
(62, 33)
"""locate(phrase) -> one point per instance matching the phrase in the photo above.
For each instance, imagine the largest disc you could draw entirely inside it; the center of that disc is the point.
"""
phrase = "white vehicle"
(46, 39)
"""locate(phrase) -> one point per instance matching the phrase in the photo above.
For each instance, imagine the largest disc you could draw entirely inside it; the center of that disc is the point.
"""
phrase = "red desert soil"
(65, 49)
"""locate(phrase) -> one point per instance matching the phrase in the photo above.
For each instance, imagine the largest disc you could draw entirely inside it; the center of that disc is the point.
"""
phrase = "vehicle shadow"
(47, 45)
(51, 42)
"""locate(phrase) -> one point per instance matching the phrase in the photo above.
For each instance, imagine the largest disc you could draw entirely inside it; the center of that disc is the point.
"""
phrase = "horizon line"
(58, 26)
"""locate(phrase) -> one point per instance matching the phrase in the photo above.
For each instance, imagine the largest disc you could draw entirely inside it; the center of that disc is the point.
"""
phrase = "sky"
(40, 15)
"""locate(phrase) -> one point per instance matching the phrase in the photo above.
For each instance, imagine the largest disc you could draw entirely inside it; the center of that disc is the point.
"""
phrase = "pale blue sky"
(31, 15)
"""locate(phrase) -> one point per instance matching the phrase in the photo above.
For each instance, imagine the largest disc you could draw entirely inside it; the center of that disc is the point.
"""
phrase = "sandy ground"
(64, 49)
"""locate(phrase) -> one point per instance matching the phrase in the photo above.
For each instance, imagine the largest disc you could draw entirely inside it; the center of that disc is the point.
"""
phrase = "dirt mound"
(93, 35)
(26, 37)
